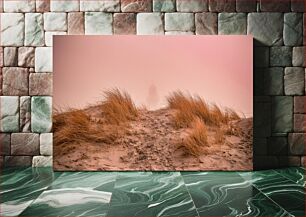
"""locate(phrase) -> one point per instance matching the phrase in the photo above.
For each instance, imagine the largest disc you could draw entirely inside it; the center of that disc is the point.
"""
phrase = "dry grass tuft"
(118, 107)
(219, 136)
(74, 126)
(190, 107)
(197, 139)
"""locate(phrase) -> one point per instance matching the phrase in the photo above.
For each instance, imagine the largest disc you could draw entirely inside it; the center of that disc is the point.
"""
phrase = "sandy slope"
(151, 144)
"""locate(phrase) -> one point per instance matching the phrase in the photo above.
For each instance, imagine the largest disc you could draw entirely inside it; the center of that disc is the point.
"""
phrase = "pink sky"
(218, 68)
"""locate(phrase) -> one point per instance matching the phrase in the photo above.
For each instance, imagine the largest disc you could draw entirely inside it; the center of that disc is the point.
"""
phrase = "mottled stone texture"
(282, 117)
(41, 114)
(191, 5)
(280, 56)
(206, 23)
(278, 146)
(246, 5)
(42, 5)
(5, 144)
(12, 27)
(15, 81)
(261, 56)
(40, 84)
(274, 81)
(25, 144)
(179, 22)
(17, 161)
(26, 56)
(55, 21)
(100, 5)
(299, 104)
(150, 24)
(9, 114)
(25, 114)
(232, 23)
(266, 28)
(293, 29)
(289, 161)
(222, 5)
(46, 142)
(273, 6)
(10, 56)
(298, 56)
(297, 5)
(19, 6)
(299, 124)
(294, 81)
(124, 23)
(136, 5)
(97, 23)
(163, 5)
(296, 143)
(49, 37)
(76, 23)
(34, 30)
(66, 6)
(43, 59)
(179, 33)
(42, 161)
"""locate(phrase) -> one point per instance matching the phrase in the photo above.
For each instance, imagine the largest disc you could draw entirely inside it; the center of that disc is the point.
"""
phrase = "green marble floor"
(42, 192)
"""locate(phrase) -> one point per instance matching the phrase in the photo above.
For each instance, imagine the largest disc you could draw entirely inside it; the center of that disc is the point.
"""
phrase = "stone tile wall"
(27, 27)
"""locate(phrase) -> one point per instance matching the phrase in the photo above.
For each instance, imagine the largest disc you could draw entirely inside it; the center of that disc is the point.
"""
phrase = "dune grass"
(76, 126)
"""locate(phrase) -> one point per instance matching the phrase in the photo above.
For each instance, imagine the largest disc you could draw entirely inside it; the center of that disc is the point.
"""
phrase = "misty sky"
(217, 68)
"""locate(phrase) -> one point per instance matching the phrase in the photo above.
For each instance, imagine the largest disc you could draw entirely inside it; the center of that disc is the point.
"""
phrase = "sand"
(151, 143)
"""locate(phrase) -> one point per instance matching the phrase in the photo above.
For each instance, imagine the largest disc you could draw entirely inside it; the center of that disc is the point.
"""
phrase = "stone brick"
(299, 104)
(260, 146)
(1, 56)
(296, 143)
(1, 81)
(42, 5)
(150, 24)
(206, 23)
(19, 6)
(272, 6)
(274, 81)
(124, 24)
(266, 28)
(222, 5)
(49, 37)
(191, 5)
(262, 119)
(26, 56)
(294, 81)
(179, 22)
(261, 56)
(41, 114)
(280, 56)
(299, 124)
(97, 23)
(25, 144)
(265, 162)
(282, 117)
(293, 29)
(76, 23)
(25, 114)
(178, 33)
(55, 21)
(15, 81)
(46, 143)
(34, 30)
(232, 24)
(64, 6)
(10, 56)
(303, 161)
(163, 5)
(298, 56)
(17, 161)
(43, 59)
(297, 5)
(278, 146)
(289, 161)
(5, 144)
(246, 5)
(40, 84)
(12, 29)
(42, 161)
(100, 5)
(9, 114)
(136, 5)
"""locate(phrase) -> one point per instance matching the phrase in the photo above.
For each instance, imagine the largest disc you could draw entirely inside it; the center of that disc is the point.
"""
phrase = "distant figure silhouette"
(152, 98)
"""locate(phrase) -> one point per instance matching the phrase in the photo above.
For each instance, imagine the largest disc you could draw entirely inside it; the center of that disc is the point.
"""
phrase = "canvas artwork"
(158, 103)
